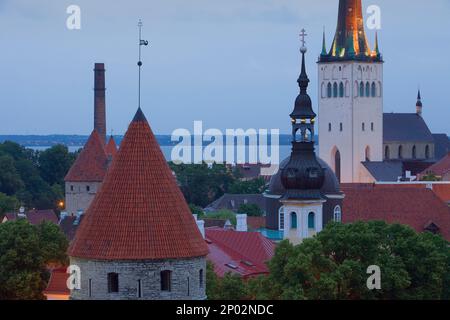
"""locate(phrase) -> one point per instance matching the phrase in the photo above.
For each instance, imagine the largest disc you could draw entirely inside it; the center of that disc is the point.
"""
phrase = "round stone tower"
(138, 239)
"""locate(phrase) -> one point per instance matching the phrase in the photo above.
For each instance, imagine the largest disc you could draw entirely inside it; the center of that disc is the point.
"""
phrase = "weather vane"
(303, 35)
(141, 43)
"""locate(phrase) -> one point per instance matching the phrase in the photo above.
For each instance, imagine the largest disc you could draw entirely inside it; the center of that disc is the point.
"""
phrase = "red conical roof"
(91, 163)
(111, 147)
(139, 213)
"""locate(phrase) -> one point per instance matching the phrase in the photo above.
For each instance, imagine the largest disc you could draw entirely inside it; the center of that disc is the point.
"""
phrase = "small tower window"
(374, 90)
(71, 188)
(363, 126)
(293, 220)
(400, 152)
(90, 288)
(166, 280)
(200, 278)
(337, 215)
(414, 152)
(139, 288)
(335, 90)
(329, 90)
(311, 220)
(372, 127)
(281, 218)
(341, 90)
(88, 188)
(341, 126)
(427, 152)
(113, 282)
(387, 153)
(329, 127)
(367, 89)
(361, 89)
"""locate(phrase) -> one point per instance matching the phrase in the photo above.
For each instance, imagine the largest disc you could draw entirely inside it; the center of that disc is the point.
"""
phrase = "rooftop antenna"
(141, 43)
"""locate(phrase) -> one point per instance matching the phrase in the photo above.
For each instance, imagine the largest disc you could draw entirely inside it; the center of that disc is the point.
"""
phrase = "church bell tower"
(350, 97)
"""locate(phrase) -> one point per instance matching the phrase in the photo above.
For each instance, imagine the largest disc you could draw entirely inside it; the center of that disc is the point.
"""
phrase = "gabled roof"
(441, 145)
(234, 201)
(243, 253)
(384, 170)
(405, 127)
(57, 284)
(396, 204)
(139, 213)
(440, 168)
(111, 147)
(91, 164)
(36, 217)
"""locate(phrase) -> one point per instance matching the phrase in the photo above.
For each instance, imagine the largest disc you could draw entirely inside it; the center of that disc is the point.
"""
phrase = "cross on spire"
(303, 35)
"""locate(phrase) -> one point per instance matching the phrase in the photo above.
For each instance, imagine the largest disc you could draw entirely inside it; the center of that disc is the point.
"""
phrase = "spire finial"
(377, 48)
(141, 43)
(303, 35)
(324, 45)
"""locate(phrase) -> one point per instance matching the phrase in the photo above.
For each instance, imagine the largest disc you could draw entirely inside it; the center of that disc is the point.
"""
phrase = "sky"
(228, 63)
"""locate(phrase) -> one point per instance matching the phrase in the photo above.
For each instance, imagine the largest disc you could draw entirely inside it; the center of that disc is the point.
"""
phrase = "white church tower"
(350, 98)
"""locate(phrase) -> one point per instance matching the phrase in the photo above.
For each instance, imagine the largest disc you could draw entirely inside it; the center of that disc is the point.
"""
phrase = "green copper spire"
(324, 45)
(377, 49)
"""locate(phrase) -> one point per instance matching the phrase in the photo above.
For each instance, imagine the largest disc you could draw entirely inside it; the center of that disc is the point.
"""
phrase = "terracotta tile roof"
(139, 213)
(91, 164)
(440, 168)
(243, 253)
(111, 147)
(416, 207)
(36, 217)
(58, 282)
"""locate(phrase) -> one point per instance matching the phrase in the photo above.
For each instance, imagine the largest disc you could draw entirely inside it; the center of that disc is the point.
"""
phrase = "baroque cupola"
(303, 176)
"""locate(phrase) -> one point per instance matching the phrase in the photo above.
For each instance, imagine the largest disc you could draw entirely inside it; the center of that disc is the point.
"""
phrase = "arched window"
(337, 215)
(166, 280)
(337, 165)
(281, 218)
(361, 89)
(374, 89)
(329, 90)
(400, 152)
(387, 153)
(335, 90)
(323, 90)
(427, 152)
(341, 90)
(200, 278)
(293, 220)
(311, 220)
(367, 153)
(367, 89)
(113, 282)
(414, 152)
(380, 89)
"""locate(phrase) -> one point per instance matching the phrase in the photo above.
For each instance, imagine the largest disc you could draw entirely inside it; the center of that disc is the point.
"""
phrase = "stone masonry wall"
(148, 272)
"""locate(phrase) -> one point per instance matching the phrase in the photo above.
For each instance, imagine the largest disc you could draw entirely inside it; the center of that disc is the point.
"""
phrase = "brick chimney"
(99, 101)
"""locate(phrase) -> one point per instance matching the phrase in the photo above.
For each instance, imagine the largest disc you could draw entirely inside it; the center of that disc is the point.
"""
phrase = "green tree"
(252, 210)
(333, 264)
(230, 287)
(10, 180)
(25, 253)
(7, 204)
(54, 163)
(254, 186)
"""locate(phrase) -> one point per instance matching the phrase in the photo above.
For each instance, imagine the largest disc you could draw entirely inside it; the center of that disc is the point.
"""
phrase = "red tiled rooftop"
(111, 147)
(36, 217)
(91, 164)
(247, 251)
(440, 168)
(139, 213)
(57, 284)
(415, 207)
